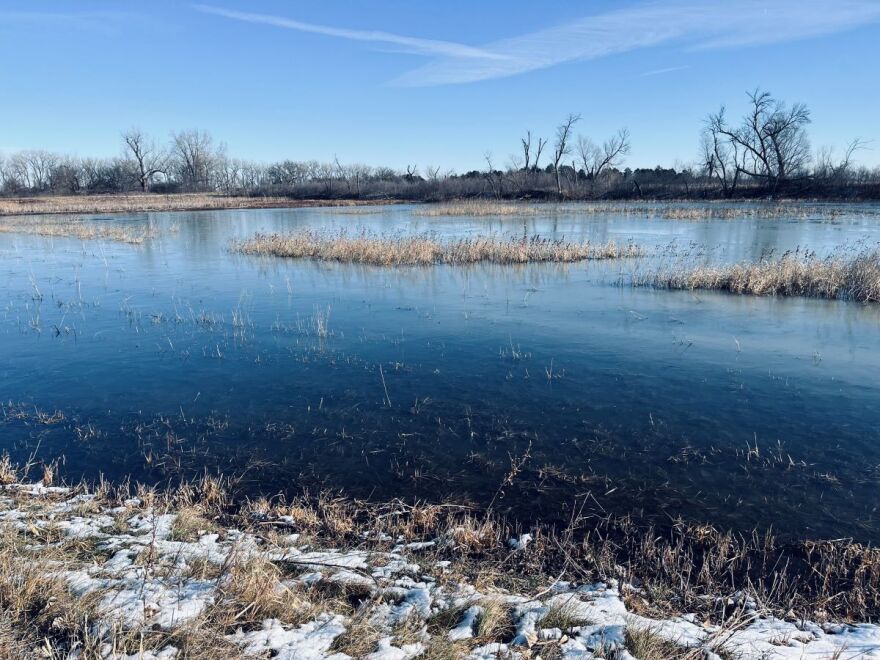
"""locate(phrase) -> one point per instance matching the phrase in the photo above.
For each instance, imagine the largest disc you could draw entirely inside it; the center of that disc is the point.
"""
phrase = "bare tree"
(541, 144)
(32, 168)
(828, 169)
(195, 157)
(147, 158)
(772, 139)
(526, 148)
(5, 179)
(721, 155)
(522, 171)
(496, 178)
(341, 172)
(596, 159)
(562, 147)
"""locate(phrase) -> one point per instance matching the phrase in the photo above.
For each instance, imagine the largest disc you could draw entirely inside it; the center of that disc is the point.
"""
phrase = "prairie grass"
(190, 524)
(663, 210)
(131, 203)
(841, 276)
(695, 568)
(565, 616)
(426, 250)
(361, 635)
(480, 208)
(717, 211)
(495, 623)
(647, 644)
(78, 228)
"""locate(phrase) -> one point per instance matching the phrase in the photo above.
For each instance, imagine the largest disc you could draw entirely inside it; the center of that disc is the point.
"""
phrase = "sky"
(428, 83)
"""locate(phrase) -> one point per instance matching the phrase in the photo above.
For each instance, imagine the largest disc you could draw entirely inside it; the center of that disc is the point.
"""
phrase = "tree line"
(767, 152)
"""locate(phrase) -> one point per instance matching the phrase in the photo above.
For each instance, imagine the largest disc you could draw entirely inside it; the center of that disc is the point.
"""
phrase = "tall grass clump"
(841, 276)
(478, 208)
(426, 250)
(77, 228)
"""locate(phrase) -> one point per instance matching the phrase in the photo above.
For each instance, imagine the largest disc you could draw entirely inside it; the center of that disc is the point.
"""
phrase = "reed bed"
(841, 276)
(154, 202)
(664, 210)
(77, 228)
(718, 211)
(480, 208)
(427, 250)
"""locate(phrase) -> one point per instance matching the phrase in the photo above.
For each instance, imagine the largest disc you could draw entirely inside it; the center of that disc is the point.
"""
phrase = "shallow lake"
(162, 360)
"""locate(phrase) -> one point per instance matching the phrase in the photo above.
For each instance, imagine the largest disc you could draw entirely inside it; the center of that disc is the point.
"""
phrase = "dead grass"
(190, 524)
(426, 250)
(37, 609)
(361, 635)
(441, 648)
(78, 228)
(155, 202)
(479, 208)
(565, 616)
(842, 276)
(252, 590)
(646, 644)
(663, 210)
(717, 211)
(8, 471)
(495, 623)
(685, 568)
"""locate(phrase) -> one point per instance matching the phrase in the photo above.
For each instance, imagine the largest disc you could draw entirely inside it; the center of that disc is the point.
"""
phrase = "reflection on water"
(177, 356)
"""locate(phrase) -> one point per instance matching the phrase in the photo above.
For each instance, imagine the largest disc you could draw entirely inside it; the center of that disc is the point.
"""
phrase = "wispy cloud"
(692, 24)
(665, 70)
(414, 45)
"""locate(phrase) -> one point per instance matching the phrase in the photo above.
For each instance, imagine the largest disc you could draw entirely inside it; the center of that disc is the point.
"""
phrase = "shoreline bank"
(158, 202)
(117, 571)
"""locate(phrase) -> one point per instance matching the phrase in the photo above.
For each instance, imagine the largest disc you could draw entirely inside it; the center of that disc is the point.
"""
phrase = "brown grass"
(495, 623)
(841, 276)
(479, 208)
(426, 250)
(361, 634)
(664, 210)
(646, 644)
(565, 616)
(8, 471)
(78, 228)
(155, 202)
(684, 568)
(190, 524)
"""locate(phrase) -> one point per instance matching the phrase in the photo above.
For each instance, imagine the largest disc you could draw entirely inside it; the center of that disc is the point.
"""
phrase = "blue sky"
(427, 83)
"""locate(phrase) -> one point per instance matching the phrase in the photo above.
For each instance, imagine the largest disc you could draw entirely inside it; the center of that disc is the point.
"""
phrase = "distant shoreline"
(157, 202)
(150, 202)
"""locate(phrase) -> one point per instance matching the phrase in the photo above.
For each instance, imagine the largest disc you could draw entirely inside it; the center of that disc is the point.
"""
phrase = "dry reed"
(478, 208)
(425, 250)
(684, 568)
(664, 210)
(77, 228)
(130, 203)
(843, 276)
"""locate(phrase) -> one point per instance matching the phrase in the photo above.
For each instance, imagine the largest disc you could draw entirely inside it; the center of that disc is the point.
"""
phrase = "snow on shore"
(162, 593)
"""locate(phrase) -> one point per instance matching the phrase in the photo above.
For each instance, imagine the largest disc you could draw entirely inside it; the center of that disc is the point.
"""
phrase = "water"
(179, 356)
